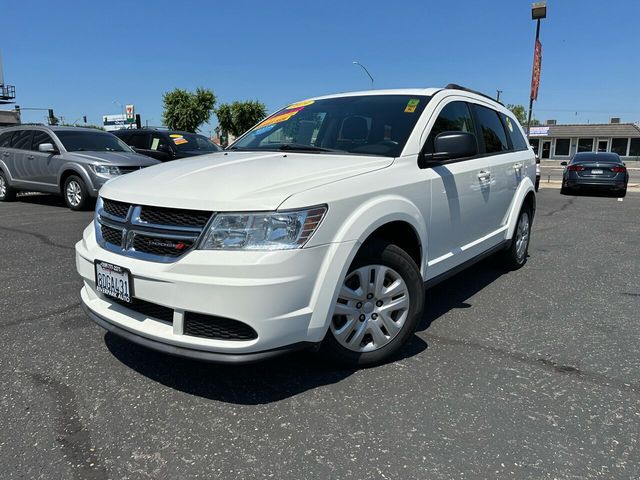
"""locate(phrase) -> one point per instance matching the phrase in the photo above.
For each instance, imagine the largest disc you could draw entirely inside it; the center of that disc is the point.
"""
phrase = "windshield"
(365, 125)
(81, 140)
(191, 142)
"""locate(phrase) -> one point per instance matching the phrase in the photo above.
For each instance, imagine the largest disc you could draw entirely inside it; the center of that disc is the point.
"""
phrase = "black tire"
(390, 256)
(514, 258)
(7, 194)
(564, 190)
(73, 184)
(622, 193)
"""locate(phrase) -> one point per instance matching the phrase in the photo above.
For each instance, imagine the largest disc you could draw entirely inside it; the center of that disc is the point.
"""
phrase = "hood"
(114, 158)
(236, 181)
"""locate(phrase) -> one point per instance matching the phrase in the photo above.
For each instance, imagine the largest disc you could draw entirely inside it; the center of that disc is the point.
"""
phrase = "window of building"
(495, 137)
(634, 147)
(585, 144)
(517, 140)
(562, 147)
(454, 117)
(619, 146)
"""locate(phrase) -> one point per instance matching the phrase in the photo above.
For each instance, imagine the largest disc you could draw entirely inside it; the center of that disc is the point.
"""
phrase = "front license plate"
(114, 281)
(596, 172)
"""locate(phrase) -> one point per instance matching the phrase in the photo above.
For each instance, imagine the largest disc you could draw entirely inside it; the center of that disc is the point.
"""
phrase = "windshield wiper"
(305, 148)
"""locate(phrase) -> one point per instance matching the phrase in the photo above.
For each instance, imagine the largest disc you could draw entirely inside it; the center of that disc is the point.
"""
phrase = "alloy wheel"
(74, 193)
(371, 309)
(3, 187)
(522, 236)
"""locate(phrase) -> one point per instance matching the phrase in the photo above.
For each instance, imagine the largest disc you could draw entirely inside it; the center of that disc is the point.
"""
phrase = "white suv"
(320, 227)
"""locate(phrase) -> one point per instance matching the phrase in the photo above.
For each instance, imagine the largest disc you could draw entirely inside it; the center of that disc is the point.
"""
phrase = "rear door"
(46, 164)
(20, 156)
(459, 195)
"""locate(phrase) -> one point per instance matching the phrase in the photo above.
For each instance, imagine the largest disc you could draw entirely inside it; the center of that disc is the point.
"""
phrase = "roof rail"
(455, 86)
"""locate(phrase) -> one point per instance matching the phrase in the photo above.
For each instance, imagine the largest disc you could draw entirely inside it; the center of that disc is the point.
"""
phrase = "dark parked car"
(590, 170)
(167, 145)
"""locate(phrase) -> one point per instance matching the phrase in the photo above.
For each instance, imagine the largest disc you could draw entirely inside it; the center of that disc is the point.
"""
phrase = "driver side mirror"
(47, 148)
(449, 146)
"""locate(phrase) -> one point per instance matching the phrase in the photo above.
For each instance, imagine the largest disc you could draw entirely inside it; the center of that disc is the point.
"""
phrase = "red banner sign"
(537, 65)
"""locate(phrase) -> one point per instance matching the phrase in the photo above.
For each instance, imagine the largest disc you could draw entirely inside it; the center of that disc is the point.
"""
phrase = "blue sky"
(80, 57)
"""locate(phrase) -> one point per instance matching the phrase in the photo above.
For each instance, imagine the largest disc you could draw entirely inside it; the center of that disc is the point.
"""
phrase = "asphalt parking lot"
(530, 374)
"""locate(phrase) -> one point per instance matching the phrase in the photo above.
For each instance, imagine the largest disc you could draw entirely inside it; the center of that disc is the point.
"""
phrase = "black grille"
(117, 209)
(160, 246)
(148, 309)
(124, 170)
(175, 217)
(111, 235)
(209, 326)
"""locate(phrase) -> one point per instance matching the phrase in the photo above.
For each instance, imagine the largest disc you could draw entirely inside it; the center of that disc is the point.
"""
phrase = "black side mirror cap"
(450, 146)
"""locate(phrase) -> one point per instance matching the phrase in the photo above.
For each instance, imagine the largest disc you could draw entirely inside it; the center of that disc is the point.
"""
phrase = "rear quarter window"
(517, 139)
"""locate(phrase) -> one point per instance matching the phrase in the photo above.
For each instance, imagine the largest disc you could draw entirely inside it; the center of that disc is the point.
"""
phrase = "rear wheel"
(76, 195)
(516, 255)
(6, 192)
(378, 307)
(622, 193)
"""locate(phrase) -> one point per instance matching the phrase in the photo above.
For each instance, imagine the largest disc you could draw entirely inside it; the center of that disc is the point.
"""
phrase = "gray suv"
(71, 161)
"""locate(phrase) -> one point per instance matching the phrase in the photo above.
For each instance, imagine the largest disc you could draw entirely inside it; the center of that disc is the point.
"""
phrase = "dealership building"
(561, 142)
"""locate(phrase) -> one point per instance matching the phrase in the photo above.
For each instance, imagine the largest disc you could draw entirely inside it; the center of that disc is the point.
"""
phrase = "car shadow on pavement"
(454, 292)
(41, 199)
(255, 384)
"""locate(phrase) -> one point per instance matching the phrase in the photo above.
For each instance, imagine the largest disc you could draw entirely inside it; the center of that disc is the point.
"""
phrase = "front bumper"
(285, 296)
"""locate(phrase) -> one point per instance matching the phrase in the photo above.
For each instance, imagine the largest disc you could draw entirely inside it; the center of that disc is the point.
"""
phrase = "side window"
(22, 140)
(139, 140)
(158, 140)
(454, 117)
(39, 138)
(493, 133)
(517, 140)
(5, 139)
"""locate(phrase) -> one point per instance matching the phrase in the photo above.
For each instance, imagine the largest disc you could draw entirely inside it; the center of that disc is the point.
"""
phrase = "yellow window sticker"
(175, 135)
(411, 105)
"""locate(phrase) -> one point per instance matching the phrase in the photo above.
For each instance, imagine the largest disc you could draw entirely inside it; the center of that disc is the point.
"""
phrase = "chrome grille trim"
(132, 227)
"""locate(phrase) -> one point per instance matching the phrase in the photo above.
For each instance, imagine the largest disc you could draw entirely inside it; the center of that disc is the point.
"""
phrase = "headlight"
(263, 230)
(106, 169)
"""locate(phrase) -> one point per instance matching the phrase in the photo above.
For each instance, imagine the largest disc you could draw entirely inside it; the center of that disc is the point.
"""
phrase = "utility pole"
(538, 12)
(498, 92)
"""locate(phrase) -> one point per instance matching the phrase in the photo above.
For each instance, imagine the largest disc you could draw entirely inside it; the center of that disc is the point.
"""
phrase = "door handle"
(5, 154)
(30, 157)
(483, 175)
(517, 166)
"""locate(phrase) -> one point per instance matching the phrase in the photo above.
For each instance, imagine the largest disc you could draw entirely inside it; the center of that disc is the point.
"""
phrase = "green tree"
(238, 117)
(521, 114)
(186, 111)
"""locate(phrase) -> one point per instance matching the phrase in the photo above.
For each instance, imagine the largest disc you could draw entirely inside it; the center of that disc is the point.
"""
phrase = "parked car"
(74, 162)
(167, 145)
(320, 227)
(595, 170)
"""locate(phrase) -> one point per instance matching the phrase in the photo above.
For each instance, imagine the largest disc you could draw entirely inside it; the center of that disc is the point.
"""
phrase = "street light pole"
(538, 12)
(365, 69)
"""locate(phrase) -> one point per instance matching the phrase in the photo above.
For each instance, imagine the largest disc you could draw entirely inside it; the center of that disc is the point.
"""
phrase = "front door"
(45, 164)
(603, 145)
(546, 148)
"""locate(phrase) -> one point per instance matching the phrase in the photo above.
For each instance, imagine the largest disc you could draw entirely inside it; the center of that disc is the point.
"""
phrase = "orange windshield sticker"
(301, 104)
(280, 117)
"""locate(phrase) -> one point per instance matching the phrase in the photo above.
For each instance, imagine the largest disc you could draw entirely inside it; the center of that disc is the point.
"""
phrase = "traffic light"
(52, 117)
(84, 118)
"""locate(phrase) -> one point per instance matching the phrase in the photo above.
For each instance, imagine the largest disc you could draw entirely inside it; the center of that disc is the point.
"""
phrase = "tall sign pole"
(538, 12)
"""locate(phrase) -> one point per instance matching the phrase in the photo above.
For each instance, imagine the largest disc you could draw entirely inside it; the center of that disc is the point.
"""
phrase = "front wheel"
(76, 194)
(516, 255)
(378, 307)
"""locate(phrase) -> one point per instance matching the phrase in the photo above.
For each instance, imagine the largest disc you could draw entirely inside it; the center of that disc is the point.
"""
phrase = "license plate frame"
(116, 281)
(597, 171)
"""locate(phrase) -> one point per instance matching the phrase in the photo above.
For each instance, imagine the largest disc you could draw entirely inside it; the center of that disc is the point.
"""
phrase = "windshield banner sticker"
(411, 105)
(261, 130)
(301, 104)
(178, 139)
(281, 117)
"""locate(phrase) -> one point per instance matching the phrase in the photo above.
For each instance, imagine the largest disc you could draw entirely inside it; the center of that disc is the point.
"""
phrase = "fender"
(67, 166)
(523, 190)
